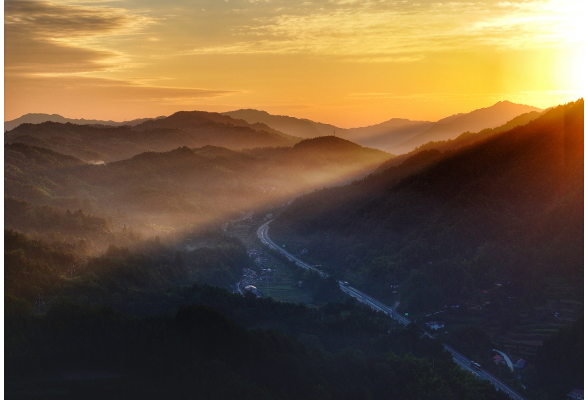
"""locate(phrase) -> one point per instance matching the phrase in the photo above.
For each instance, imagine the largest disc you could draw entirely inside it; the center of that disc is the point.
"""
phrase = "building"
(435, 325)
(576, 394)
(519, 367)
(252, 289)
(499, 359)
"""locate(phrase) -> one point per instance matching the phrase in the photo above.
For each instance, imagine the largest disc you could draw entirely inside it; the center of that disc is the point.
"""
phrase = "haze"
(345, 62)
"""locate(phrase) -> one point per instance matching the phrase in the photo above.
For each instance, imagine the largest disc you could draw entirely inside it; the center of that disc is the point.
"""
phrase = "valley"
(161, 227)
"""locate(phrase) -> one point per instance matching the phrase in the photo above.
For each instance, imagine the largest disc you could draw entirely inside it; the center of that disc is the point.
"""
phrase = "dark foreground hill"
(445, 226)
(142, 325)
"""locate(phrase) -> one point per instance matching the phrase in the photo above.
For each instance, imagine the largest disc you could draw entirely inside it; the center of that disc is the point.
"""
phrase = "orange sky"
(345, 62)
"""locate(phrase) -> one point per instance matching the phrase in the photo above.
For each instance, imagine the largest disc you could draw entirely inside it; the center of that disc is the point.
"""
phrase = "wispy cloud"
(380, 30)
(138, 90)
(43, 37)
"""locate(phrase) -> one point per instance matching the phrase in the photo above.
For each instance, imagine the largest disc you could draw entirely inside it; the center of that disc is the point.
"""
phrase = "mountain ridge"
(37, 118)
(481, 118)
(396, 135)
(186, 128)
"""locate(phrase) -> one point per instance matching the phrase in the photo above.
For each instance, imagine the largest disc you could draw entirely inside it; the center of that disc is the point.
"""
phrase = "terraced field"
(559, 310)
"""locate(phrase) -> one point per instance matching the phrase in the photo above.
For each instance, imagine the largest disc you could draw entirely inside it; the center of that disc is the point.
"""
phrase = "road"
(458, 358)
(263, 236)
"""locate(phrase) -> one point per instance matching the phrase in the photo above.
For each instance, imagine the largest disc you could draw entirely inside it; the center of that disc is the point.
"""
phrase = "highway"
(458, 358)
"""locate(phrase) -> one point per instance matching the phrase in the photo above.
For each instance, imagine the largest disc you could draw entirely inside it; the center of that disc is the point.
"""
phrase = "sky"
(350, 63)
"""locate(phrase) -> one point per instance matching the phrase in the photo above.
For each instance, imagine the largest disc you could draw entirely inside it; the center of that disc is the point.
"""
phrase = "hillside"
(507, 208)
(147, 325)
(184, 186)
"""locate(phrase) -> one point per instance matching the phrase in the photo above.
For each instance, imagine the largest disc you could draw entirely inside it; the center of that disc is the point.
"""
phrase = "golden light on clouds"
(347, 62)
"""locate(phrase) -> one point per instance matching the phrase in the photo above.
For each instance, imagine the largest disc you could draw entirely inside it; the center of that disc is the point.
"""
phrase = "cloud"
(404, 30)
(139, 89)
(42, 37)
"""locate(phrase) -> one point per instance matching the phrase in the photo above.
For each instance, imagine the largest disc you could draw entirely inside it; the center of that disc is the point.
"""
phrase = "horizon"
(281, 115)
(348, 63)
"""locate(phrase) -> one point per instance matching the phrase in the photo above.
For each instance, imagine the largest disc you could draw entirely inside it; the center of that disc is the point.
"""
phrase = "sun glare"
(576, 71)
(569, 71)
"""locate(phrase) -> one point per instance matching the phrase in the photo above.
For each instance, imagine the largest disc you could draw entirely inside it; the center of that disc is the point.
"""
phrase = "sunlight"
(569, 71)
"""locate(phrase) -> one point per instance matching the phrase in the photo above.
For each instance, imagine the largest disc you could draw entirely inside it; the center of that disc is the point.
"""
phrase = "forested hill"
(144, 325)
(332, 148)
(509, 207)
(173, 188)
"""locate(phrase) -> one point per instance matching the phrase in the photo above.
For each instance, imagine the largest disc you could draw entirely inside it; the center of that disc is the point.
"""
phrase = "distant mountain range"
(397, 135)
(37, 118)
(93, 143)
(464, 139)
(483, 118)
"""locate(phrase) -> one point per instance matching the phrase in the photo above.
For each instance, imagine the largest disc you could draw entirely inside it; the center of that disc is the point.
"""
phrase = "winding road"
(458, 358)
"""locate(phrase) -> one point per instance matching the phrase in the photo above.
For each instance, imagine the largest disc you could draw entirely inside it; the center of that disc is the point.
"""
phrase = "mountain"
(96, 145)
(293, 126)
(509, 207)
(216, 129)
(400, 136)
(451, 127)
(37, 118)
(319, 162)
(462, 140)
(397, 135)
(105, 144)
(214, 178)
